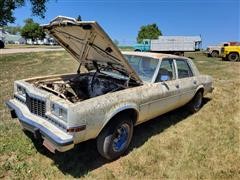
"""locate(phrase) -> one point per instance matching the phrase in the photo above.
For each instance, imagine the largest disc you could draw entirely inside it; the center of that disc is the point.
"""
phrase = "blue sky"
(215, 20)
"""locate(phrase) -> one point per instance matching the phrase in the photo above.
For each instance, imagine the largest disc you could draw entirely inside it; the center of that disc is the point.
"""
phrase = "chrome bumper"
(54, 138)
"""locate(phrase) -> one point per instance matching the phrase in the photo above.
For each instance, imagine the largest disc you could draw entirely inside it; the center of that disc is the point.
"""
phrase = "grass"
(177, 145)
(20, 46)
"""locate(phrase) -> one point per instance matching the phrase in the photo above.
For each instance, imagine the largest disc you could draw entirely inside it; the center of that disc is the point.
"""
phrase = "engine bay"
(83, 86)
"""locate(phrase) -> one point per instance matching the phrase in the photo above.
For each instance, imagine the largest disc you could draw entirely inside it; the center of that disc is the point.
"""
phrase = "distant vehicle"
(170, 44)
(119, 91)
(2, 45)
(215, 51)
(231, 53)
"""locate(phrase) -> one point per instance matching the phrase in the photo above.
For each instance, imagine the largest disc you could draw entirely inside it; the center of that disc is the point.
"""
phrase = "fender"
(117, 109)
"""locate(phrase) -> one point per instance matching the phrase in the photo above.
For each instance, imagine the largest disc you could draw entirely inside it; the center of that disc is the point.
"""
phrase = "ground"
(15, 48)
(177, 145)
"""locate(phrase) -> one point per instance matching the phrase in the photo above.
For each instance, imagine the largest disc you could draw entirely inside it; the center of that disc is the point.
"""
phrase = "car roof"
(151, 54)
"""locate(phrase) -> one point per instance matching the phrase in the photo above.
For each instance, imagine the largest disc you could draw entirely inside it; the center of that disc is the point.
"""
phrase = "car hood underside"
(87, 42)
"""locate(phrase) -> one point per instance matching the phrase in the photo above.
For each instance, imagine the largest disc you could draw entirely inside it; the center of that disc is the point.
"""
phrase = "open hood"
(87, 42)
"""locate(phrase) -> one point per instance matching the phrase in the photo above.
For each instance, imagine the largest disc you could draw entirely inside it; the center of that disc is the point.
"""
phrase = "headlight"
(59, 111)
(21, 91)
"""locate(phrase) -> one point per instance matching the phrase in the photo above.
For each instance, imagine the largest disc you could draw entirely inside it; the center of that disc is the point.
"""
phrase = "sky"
(215, 20)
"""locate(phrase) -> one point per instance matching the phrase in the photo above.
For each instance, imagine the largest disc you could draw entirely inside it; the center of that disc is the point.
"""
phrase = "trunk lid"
(87, 42)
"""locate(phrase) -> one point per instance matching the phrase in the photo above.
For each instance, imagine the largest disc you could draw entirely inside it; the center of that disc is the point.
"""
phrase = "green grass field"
(177, 145)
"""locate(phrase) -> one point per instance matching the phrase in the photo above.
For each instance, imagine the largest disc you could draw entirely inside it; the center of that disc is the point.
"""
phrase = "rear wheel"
(115, 138)
(233, 56)
(196, 103)
(215, 54)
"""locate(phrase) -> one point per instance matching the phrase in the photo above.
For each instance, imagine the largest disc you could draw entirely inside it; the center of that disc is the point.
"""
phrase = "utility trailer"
(170, 44)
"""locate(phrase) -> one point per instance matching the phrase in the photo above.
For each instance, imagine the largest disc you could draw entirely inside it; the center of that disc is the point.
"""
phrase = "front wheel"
(196, 103)
(115, 138)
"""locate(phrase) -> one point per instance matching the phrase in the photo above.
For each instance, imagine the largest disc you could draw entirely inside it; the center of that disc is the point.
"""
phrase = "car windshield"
(144, 66)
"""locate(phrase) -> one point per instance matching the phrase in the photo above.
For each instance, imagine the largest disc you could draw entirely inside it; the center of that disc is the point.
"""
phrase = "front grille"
(36, 106)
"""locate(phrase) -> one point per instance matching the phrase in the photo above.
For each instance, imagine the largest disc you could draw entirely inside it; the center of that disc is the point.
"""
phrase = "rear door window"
(183, 69)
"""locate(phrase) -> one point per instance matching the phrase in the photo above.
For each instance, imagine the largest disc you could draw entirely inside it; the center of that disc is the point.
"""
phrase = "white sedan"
(110, 93)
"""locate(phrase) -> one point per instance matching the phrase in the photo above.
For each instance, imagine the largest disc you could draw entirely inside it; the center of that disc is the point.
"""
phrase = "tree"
(8, 6)
(150, 31)
(32, 30)
(13, 29)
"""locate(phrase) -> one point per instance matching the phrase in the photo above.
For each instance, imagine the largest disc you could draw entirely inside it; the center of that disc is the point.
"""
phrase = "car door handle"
(165, 84)
(177, 85)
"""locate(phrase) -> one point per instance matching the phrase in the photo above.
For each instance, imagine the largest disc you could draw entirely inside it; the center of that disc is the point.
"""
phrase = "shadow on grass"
(85, 158)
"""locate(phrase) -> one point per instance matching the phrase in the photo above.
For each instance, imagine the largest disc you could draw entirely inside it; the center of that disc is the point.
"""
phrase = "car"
(1, 44)
(110, 93)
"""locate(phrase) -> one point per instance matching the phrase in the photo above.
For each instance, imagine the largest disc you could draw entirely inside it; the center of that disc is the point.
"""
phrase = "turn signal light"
(76, 129)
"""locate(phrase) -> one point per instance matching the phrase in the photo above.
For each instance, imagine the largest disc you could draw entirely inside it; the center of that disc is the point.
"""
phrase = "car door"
(164, 92)
(187, 81)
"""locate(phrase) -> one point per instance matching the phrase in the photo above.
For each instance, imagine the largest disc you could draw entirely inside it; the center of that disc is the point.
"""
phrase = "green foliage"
(7, 8)
(13, 29)
(32, 30)
(150, 31)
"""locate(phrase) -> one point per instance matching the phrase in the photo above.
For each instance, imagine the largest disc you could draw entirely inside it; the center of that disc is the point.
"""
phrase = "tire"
(1, 44)
(115, 138)
(137, 50)
(215, 54)
(233, 56)
(196, 103)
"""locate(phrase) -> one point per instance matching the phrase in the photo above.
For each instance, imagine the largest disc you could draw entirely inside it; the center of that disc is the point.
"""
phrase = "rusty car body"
(118, 91)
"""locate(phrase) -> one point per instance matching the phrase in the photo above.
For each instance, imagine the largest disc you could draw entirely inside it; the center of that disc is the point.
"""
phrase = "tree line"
(30, 30)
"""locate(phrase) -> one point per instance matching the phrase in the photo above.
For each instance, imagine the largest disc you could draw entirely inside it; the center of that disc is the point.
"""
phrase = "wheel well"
(234, 52)
(132, 112)
(137, 50)
(200, 90)
(215, 51)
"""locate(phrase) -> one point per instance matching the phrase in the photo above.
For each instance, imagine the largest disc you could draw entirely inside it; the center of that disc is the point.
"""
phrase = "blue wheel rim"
(121, 139)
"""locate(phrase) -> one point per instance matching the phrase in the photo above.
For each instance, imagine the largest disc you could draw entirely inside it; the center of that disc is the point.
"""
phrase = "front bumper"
(53, 137)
